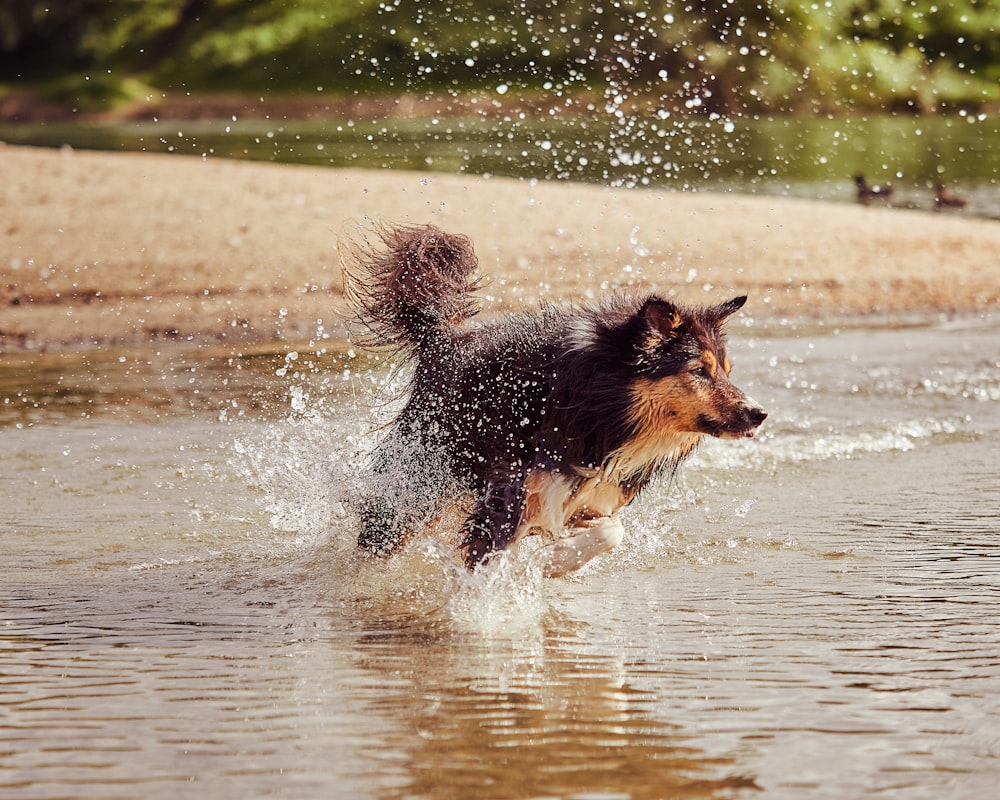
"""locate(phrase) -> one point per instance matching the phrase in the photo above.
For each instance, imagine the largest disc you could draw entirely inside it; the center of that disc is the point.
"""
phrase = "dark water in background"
(797, 156)
(811, 614)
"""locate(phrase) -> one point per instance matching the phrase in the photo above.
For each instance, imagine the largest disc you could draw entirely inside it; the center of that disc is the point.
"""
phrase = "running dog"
(553, 419)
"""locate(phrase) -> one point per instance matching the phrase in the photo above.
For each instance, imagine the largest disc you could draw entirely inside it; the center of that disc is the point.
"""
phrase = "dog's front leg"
(493, 523)
(583, 543)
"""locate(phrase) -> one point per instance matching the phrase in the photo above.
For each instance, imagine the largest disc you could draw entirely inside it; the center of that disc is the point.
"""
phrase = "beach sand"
(127, 248)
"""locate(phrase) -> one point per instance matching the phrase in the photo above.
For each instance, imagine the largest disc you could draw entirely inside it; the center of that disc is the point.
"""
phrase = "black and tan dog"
(553, 420)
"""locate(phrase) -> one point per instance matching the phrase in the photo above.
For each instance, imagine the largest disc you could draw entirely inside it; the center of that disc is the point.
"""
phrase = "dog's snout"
(747, 420)
(756, 415)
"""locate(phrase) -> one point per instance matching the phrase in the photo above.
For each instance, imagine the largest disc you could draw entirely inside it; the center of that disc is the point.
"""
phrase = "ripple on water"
(809, 613)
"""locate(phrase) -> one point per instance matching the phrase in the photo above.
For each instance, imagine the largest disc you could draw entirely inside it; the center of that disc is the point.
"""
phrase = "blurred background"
(780, 96)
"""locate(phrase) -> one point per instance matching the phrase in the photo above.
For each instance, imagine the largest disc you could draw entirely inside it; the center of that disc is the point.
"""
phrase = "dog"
(553, 419)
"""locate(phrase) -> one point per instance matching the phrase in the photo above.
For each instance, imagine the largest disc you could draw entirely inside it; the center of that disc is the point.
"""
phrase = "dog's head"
(681, 382)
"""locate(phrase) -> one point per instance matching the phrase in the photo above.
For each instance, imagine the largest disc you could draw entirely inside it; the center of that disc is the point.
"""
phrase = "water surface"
(810, 157)
(810, 614)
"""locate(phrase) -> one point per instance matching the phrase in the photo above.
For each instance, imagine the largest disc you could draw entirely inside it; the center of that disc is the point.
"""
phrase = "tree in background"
(716, 56)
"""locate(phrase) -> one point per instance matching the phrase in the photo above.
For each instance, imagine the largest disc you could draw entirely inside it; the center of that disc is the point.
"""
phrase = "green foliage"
(237, 32)
(719, 56)
(94, 93)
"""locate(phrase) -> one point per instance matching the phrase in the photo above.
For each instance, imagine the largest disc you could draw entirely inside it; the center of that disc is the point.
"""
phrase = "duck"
(867, 192)
(945, 199)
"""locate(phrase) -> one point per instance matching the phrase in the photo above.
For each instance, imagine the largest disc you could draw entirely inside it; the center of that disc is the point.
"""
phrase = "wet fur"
(553, 419)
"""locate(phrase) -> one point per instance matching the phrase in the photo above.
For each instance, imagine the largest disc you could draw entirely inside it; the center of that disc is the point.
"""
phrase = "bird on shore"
(868, 192)
(945, 199)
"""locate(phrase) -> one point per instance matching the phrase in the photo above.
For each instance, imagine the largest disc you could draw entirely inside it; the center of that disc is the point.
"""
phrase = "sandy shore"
(101, 248)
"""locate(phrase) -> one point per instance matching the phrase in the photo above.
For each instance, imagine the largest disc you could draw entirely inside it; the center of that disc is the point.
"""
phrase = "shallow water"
(809, 614)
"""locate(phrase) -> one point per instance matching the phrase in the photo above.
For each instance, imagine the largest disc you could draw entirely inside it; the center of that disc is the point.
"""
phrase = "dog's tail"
(408, 285)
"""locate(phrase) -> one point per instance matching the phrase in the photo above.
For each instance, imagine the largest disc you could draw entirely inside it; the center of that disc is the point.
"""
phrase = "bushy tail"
(408, 285)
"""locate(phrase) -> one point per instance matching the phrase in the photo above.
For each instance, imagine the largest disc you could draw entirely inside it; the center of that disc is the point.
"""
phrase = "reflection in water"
(546, 717)
(812, 613)
(152, 690)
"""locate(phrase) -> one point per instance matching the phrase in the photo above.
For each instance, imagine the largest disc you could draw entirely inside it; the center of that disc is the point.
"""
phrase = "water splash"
(302, 466)
(502, 598)
(305, 467)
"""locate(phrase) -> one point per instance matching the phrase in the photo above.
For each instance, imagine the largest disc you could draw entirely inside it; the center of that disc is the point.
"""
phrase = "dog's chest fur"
(556, 500)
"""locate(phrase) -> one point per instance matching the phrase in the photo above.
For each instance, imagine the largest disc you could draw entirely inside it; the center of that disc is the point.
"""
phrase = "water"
(810, 614)
(796, 156)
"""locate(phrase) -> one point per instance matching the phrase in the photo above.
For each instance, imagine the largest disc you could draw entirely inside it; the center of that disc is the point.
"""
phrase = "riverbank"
(101, 248)
(146, 104)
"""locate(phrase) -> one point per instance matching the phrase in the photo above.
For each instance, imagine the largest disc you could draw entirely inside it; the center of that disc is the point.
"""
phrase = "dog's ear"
(730, 307)
(662, 317)
(659, 322)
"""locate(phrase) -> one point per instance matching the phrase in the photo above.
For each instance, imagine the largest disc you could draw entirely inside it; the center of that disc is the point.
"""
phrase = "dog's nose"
(756, 415)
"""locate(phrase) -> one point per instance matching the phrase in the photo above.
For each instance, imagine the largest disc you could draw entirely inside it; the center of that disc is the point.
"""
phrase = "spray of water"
(305, 466)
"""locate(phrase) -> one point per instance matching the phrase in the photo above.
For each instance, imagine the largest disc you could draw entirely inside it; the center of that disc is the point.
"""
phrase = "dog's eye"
(701, 371)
